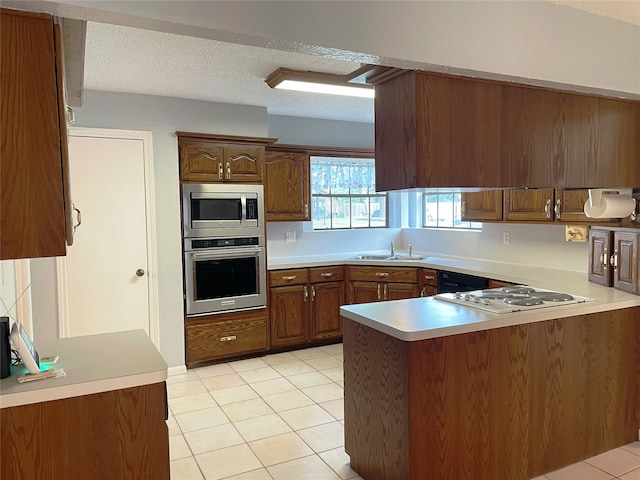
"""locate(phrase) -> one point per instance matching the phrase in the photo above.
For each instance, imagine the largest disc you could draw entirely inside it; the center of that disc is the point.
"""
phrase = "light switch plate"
(290, 237)
(576, 233)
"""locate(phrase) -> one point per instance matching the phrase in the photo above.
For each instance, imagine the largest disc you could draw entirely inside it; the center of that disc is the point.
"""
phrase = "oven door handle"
(236, 252)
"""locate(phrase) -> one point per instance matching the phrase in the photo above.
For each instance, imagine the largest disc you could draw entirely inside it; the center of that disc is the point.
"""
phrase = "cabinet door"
(289, 315)
(569, 207)
(32, 211)
(625, 262)
(529, 204)
(244, 163)
(365, 292)
(537, 148)
(400, 291)
(287, 180)
(481, 206)
(201, 161)
(599, 252)
(326, 299)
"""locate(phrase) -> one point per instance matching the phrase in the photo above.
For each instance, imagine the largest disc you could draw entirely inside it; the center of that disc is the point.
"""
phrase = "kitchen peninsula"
(105, 419)
(435, 390)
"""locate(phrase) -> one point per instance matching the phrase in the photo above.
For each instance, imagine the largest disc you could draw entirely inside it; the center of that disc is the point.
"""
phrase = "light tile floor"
(281, 417)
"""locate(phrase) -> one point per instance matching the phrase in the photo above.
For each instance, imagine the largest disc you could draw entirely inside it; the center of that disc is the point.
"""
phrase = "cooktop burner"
(510, 299)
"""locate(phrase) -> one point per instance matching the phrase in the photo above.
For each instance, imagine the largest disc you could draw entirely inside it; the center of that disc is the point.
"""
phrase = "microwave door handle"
(243, 206)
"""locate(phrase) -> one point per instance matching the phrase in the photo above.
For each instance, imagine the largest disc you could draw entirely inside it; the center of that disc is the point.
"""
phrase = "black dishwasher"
(451, 282)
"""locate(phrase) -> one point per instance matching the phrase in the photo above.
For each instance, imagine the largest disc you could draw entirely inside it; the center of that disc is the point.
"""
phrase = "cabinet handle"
(288, 278)
(313, 293)
(382, 274)
(557, 210)
(547, 208)
(326, 275)
(386, 291)
(604, 259)
(613, 261)
(423, 291)
(220, 171)
(229, 338)
(71, 116)
(379, 285)
(306, 293)
(429, 277)
(228, 171)
(306, 210)
(78, 217)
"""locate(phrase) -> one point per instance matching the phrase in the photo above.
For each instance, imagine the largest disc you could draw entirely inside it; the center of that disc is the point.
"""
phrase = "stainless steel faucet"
(393, 250)
(410, 248)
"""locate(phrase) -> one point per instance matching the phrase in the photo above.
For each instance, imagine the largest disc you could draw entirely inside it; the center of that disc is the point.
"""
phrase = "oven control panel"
(224, 242)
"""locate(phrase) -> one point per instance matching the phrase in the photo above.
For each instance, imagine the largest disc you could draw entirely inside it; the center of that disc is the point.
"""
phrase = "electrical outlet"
(290, 237)
(506, 238)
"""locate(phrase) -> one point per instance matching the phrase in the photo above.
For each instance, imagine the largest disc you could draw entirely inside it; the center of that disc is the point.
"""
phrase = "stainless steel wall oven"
(224, 274)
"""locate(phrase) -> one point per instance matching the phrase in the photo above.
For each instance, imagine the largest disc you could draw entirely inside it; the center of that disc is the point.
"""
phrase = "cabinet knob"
(382, 274)
(140, 272)
(326, 275)
(288, 278)
(228, 338)
(306, 293)
(557, 210)
(228, 171)
(220, 171)
(604, 260)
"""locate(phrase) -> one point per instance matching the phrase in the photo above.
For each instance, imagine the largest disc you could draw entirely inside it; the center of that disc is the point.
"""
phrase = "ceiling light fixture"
(316, 82)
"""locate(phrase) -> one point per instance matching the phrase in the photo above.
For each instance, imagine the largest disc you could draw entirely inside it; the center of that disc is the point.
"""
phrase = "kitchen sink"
(387, 257)
(372, 257)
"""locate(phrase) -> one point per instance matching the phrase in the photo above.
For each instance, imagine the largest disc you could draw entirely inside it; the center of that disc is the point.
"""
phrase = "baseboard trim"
(176, 370)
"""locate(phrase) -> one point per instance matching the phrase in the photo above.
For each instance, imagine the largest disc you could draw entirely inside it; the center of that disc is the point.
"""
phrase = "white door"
(108, 266)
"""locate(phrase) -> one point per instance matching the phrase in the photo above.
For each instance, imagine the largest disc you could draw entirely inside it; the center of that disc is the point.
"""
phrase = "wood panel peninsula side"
(512, 402)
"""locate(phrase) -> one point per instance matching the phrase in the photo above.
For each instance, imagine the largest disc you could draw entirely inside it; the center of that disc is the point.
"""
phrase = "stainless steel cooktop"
(511, 299)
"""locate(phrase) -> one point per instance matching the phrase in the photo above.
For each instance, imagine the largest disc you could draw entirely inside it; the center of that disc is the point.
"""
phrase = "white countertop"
(424, 318)
(92, 364)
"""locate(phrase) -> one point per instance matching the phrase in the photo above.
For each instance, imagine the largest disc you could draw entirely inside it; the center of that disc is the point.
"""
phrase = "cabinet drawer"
(326, 274)
(429, 277)
(384, 274)
(220, 339)
(279, 278)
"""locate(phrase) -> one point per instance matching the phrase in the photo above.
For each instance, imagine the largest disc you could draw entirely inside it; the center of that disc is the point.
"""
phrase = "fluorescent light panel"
(325, 88)
(315, 82)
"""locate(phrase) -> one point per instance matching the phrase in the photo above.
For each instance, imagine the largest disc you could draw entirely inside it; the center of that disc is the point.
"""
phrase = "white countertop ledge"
(426, 318)
(92, 364)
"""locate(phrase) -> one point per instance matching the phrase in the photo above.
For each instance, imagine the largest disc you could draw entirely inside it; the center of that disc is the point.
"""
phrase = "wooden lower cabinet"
(429, 282)
(113, 435)
(214, 337)
(381, 283)
(305, 305)
(614, 259)
(506, 403)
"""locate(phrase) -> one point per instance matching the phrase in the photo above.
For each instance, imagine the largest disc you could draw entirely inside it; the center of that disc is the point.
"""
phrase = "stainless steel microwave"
(214, 210)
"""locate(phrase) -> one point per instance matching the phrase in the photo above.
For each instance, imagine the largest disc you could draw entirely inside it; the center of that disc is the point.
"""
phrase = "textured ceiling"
(123, 59)
(126, 59)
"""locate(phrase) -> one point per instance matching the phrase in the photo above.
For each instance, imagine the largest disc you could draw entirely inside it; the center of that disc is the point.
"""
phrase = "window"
(343, 194)
(442, 210)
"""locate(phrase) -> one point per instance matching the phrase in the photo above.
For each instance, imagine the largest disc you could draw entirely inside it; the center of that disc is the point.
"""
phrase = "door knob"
(140, 272)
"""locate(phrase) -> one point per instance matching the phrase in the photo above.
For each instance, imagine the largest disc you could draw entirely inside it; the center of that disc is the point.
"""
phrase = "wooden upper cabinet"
(530, 204)
(214, 158)
(482, 206)
(33, 138)
(287, 186)
(550, 205)
(244, 164)
(435, 130)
